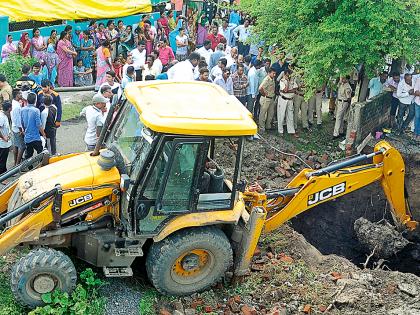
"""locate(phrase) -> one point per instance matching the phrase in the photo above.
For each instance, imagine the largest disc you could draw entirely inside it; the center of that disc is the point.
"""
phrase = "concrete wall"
(365, 118)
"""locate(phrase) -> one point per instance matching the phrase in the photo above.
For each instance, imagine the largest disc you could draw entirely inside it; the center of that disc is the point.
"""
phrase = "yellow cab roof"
(190, 108)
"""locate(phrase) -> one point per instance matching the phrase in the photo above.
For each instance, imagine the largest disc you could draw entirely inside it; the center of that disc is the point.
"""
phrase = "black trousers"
(4, 153)
(52, 141)
(31, 146)
(138, 75)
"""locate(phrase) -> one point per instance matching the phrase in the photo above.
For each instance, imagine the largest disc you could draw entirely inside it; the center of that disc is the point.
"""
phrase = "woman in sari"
(103, 63)
(26, 45)
(51, 63)
(126, 41)
(66, 53)
(38, 44)
(8, 49)
(86, 50)
(148, 34)
(53, 38)
(163, 23)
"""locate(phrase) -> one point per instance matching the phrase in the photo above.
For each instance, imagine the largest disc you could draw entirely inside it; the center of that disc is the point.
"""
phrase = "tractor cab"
(167, 151)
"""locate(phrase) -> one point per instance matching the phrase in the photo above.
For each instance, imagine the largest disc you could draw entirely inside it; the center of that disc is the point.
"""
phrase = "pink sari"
(6, 50)
(37, 43)
(65, 67)
(101, 67)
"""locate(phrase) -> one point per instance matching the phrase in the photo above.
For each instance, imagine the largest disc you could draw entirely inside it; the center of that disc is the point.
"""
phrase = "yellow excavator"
(152, 187)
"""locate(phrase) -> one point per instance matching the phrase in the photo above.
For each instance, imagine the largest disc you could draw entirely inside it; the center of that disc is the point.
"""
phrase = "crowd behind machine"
(218, 47)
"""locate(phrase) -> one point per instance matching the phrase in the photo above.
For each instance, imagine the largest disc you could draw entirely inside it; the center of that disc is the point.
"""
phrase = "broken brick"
(257, 267)
(257, 251)
(270, 255)
(247, 310)
(322, 308)
(164, 311)
(336, 275)
(237, 299)
(208, 309)
(280, 170)
(307, 309)
(284, 258)
(197, 303)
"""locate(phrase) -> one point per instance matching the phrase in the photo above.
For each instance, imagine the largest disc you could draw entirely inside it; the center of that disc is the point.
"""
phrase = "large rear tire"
(189, 261)
(41, 271)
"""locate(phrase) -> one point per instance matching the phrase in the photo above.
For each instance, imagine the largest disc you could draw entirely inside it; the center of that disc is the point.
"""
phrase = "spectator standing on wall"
(405, 94)
(5, 135)
(392, 85)
(376, 85)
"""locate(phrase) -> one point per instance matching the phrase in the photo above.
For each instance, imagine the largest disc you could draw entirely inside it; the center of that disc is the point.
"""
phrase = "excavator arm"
(311, 188)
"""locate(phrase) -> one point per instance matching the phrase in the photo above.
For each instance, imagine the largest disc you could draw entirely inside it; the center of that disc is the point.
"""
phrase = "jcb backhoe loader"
(152, 187)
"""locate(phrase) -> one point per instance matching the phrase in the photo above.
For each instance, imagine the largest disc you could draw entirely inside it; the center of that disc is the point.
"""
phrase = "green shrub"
(83, 301)
(12, 68)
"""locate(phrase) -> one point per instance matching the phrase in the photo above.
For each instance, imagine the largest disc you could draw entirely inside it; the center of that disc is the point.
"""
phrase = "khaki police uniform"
(299, 104)
(343, 102)
(315, 105)
(285, 107)
(267, 104)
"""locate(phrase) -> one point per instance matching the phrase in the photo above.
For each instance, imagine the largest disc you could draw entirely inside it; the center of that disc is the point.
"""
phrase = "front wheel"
(41, 271)
(189, 261)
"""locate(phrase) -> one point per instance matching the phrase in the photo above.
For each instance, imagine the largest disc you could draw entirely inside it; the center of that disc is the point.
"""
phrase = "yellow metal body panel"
(5, 197)
(79, 175)
(387, 168)
(201, 219)
(190, 108)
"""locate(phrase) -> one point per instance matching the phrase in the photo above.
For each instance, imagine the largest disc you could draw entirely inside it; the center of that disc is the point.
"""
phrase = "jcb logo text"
(80, 200)
(326, 193)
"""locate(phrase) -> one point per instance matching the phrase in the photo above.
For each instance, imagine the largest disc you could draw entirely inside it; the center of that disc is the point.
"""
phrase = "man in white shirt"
(225, 81)
(205, 51)
(391, 85)
(242, 33)
(252, 89)
(139, 58)
(226, 30)
(218, 70)
(5, 139)
(184, 70)
(17, 130)
(231, 57)
(405, 94)
(94, 114)
(417, 109)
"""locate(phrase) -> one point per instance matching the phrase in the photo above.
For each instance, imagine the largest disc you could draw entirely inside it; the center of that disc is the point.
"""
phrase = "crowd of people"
(216, 48)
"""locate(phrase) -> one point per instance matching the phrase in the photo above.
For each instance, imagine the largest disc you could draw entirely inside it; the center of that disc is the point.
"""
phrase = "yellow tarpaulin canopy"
(50, 10)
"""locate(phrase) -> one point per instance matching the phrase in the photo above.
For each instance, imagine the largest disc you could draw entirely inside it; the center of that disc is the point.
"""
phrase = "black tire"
(167, 259)
(42, 270)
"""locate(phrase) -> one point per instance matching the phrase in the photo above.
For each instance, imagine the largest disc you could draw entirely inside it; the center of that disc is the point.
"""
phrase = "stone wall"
(366, 118)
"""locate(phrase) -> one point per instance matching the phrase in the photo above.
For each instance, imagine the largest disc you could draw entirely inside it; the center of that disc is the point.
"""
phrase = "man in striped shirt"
(240, 84)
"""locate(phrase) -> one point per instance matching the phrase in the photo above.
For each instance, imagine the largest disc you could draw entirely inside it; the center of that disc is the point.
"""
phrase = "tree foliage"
(330, 37)
(12, 68)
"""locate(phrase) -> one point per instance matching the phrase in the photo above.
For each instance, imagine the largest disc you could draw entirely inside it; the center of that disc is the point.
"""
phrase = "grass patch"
(72, 110)
(147, 302)
(8, 305)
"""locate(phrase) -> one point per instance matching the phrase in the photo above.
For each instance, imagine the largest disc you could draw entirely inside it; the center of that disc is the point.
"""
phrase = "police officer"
(343, 102)
(285, 103)
(267, 91)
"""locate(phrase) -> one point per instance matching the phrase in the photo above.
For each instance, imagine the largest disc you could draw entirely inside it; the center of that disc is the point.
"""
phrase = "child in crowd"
(36, 75)
(82, 75)
(118, 68)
